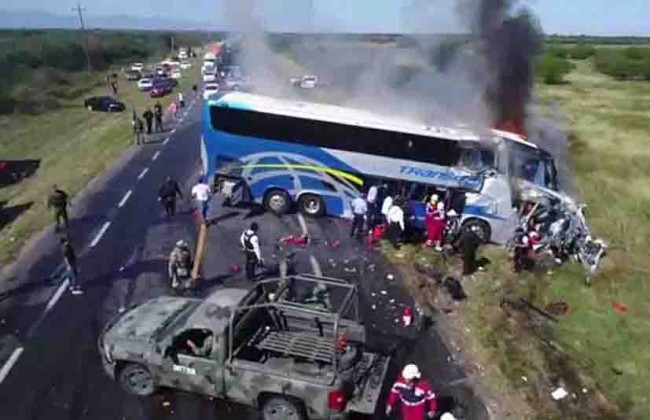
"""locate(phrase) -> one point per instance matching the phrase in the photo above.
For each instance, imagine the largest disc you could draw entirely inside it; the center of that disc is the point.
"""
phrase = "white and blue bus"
(317, 158)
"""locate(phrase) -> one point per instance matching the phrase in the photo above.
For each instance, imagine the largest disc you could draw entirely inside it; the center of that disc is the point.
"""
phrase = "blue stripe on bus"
(480, 211)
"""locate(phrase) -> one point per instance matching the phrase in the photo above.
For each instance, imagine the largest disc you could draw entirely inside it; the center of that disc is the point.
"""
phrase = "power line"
(80, 11)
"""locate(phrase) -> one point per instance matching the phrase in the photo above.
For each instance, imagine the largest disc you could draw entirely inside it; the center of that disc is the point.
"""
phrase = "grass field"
(595, 352)
(73, 145)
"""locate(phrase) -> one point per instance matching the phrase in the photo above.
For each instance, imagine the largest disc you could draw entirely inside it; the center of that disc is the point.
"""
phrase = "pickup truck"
(291, 347)
(304, 82)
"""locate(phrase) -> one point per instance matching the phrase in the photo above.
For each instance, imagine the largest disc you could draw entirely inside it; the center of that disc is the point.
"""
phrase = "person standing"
(385, 207)
(413, 394)
(138, 128)
(523, 248)
(148, 118)
(70, 261)
(173, 108)
(429, 224)
(181, 100)
(58, 201)
(469, 242)
(359, 210)
(437, 228)
(195, 89)
(179, 265)
(201, 193)
(167, 195)
(396, 226)
(158, 117)
(371, 200)
(250, 243)
(114, 87)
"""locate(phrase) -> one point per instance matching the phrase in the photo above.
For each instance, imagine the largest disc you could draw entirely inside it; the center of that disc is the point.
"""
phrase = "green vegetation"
(632, 63)
(73, 145)
(552, 69)
(36, 66)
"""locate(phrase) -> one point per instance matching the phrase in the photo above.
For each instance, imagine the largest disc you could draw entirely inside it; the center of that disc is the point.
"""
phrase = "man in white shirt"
(395, 223)
(201, 193)
(250, 242)
(359, 210)
(373, 208)
(385, 207)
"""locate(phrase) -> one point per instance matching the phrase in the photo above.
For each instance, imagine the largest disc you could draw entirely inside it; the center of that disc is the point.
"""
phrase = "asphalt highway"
(50, 367)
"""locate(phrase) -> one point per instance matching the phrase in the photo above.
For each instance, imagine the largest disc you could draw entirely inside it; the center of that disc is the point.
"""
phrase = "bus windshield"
(532, 165)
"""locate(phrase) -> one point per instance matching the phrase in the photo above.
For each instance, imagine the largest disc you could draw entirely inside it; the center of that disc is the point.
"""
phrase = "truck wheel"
(277, 202)
(482, 229)
(279, 408)
(136, 379)
(311, 205)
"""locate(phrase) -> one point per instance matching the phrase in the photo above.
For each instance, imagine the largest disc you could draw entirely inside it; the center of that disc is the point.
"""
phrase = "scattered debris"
(390, 277)
(557, 308)
(524, 378)
(235, 268)
(373, 307)
(559, 394)
(619, 307)
(454, 288)
(336, 244)
(407, 316)
(166, 404)
(383, 292)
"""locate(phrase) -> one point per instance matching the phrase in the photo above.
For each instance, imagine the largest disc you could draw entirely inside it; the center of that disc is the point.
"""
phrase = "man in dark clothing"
(114, 87)
(469, 242)
(148, 118)
(70, 261)
(58, 200)
(250, 242)
(158, 115)
(522, 260)
(195, 88)
(167, 195)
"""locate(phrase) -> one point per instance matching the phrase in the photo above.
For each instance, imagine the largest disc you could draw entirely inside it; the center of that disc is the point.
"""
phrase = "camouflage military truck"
(293, 347)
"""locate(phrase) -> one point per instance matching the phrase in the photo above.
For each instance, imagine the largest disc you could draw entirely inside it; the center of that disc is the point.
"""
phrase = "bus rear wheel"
(277, 202)
(311, 205)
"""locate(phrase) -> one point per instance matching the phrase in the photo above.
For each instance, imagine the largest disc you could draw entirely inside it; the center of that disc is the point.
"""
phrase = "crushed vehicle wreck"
(561, 226)
(274, 347)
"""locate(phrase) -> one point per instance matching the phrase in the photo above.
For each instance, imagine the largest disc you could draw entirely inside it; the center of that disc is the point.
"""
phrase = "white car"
(145, 84)
(182, 54)
(176, 74)
(186, 65)
(137, 66)
(209, 77)
(210, 89)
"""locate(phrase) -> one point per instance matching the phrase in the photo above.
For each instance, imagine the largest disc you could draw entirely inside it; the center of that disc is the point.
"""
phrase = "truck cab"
(293, 346)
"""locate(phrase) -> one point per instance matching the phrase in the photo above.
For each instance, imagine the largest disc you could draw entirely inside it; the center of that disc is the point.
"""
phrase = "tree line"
(35, 65)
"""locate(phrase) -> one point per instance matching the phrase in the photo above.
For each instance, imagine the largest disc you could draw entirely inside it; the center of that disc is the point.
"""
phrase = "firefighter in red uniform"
(414, 394)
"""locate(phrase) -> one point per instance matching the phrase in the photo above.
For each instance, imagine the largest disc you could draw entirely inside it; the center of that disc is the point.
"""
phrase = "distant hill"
(40, 20)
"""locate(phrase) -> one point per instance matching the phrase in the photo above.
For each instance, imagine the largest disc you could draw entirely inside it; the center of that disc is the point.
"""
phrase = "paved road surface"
(50, 366)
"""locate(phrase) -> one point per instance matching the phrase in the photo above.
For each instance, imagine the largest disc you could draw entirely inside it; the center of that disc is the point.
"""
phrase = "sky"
(592, 17)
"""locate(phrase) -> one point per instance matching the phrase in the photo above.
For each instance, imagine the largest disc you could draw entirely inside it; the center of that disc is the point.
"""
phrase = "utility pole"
(80, 11)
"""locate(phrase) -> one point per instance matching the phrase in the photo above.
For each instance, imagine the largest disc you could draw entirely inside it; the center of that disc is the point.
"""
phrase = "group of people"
(150, 122)
(59, 201)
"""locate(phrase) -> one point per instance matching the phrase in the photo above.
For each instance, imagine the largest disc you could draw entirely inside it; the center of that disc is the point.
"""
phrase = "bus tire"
(277, 202)
(484, 230)
(311, 205)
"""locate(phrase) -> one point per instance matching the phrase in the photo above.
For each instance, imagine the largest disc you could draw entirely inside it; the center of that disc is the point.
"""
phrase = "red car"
(159, 91)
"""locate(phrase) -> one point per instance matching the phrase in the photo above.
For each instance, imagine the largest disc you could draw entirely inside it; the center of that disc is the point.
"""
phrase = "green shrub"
(552, 69)
(631, 63)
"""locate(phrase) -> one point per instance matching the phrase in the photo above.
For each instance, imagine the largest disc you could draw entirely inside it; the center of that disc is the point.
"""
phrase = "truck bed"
(295, 344)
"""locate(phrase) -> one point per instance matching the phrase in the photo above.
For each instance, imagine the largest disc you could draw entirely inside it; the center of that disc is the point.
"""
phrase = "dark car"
(104, 104)
(132, 75)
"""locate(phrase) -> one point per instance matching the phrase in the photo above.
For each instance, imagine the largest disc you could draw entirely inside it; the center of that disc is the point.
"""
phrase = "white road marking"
(315, 266)
(57, 295)
(166, 141)
(10, 363)
(124, 199)
(101, 233)
(155, 155)
(303, 224)
(143, 173)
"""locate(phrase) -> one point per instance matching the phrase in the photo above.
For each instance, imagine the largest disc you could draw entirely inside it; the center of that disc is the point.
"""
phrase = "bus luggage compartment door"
(235, 190)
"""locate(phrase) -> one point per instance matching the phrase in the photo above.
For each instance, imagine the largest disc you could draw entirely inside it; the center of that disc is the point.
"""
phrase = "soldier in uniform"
(58, 200)
(180, 263)
(250, 243)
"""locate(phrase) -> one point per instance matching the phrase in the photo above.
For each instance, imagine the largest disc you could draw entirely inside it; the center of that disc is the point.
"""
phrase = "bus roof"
(350, 116)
